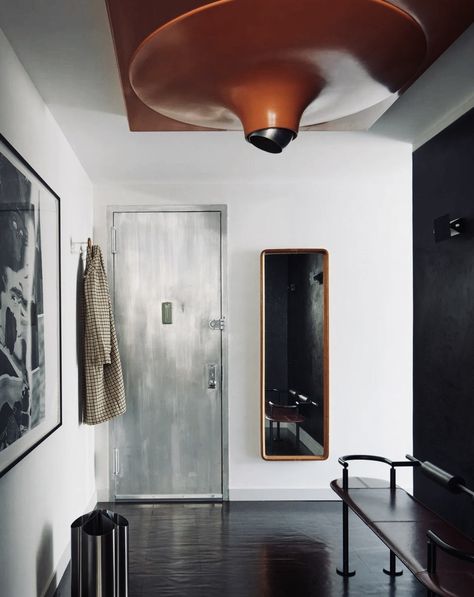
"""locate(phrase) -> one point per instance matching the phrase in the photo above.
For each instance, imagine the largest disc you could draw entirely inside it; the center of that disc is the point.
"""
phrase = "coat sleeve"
(97, 333)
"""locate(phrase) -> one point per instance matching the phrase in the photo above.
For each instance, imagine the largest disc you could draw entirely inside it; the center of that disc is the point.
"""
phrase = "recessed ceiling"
(338, 65)
(67, 50)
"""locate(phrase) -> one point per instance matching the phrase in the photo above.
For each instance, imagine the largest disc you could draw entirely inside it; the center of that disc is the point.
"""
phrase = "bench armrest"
(449, 549)
(453, 483)
(344, 461)
(434, 542)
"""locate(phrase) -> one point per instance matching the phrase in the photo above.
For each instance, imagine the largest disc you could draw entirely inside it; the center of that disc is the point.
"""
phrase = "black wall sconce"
(444, 228)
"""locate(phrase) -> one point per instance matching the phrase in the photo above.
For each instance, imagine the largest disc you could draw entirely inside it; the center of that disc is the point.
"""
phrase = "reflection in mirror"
(294, 346)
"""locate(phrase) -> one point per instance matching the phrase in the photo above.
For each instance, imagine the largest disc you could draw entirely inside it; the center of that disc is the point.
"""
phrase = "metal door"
(167, 293)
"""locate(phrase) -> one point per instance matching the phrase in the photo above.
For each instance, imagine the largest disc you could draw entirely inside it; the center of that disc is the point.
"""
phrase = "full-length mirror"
(294, 354)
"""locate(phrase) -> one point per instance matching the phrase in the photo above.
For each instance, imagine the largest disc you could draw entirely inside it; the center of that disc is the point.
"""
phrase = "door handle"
(212, 376)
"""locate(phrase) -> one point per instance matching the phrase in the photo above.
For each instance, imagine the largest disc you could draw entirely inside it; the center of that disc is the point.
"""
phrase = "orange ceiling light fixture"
(266, 64)
(273, 66)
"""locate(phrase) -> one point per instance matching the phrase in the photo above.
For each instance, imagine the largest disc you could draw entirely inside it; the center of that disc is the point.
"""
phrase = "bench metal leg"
(431, 561)
(345, 544)
(392, 571)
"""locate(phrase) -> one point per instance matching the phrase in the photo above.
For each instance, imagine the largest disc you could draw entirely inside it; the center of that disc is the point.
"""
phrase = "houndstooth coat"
(104, 389)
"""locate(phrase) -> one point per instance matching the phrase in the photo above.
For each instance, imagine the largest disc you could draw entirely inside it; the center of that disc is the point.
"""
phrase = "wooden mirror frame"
(325, 255)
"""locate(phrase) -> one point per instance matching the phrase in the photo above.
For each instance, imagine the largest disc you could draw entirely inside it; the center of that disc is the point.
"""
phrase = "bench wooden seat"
(403, 524)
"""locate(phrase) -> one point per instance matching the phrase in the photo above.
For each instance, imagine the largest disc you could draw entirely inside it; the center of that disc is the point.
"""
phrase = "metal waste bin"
(99, 555)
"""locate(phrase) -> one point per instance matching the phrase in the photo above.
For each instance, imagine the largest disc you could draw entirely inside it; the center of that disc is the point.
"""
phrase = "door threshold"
(201, 497)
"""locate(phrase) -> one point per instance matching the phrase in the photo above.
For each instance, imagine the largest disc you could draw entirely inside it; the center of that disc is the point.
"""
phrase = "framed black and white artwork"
(30, 317)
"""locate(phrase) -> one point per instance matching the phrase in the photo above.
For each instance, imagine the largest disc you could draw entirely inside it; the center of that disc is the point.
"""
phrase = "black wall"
(443, 275)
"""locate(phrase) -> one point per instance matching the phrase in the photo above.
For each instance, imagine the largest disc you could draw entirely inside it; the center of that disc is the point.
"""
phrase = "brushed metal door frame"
(222, 210)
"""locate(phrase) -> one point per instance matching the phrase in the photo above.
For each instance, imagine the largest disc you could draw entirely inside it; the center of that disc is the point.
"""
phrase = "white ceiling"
(66, 47)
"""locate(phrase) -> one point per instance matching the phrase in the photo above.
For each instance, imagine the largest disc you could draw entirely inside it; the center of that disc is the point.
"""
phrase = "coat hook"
(78, 246)
(89, 243)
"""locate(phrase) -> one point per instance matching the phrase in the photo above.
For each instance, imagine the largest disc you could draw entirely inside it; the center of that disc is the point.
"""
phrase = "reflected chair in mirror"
(283, 413)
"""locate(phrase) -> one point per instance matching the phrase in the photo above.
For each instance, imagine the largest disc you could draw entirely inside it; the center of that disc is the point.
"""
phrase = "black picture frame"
(30, 309)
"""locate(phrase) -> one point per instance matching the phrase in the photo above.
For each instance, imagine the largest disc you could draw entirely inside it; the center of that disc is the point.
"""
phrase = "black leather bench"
(439, 555)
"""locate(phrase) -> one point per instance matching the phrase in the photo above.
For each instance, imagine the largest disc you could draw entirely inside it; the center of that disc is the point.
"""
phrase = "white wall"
(55, 483)
(355, 201)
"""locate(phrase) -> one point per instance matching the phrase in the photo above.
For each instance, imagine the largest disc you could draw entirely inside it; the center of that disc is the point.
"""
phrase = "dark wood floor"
(251, 549)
